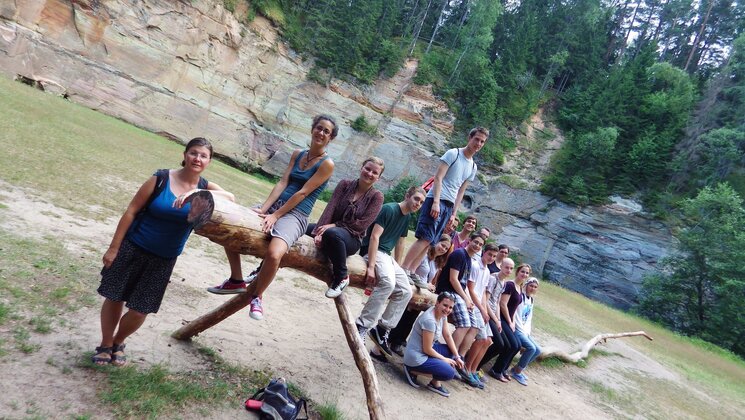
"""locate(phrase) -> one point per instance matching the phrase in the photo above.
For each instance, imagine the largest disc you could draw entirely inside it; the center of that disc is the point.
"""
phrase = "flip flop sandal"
(118, 360)
(99, 359)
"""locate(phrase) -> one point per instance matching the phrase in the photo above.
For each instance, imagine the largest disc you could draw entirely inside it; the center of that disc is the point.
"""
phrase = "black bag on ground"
(278, 403)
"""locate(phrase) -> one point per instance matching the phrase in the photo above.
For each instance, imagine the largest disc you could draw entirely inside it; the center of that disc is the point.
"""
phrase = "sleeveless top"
(162, 229)
(298, 178)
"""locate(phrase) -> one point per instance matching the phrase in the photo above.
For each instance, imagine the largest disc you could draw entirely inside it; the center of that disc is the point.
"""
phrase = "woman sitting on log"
(425, 355)
(510, 299)
(285, 211)
(432, 263)
(150, 236)
(523, 329)
(353, 207)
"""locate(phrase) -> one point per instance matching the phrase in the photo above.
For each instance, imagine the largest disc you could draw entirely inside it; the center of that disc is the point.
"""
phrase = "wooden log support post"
(239, 229)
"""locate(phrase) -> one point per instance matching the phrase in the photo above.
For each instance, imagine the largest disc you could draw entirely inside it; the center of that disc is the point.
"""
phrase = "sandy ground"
(300, 338)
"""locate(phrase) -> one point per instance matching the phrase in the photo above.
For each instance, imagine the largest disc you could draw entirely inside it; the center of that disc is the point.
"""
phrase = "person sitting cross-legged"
(425, 354)
(391, 292)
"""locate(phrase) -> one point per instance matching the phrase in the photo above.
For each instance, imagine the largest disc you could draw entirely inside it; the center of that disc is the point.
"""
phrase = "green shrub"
(360, 124)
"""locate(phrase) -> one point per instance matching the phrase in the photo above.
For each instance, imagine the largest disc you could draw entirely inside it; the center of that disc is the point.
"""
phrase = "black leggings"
(511, 349)
(498, 346)
(399, 334)
(337, 244)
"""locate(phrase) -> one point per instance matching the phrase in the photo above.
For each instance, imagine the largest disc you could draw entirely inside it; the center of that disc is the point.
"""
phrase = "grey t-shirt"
(460, 171)
(414, 355)
(494, 288)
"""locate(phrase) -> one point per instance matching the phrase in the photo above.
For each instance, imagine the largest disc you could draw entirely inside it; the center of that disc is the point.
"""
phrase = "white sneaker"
(333, 292)
(257, 310)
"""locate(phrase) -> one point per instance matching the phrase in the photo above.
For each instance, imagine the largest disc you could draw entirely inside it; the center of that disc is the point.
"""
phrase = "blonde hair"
(376, 160)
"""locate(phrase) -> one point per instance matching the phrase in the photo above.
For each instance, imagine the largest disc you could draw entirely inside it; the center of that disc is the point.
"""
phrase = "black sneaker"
(410, 377)
(362, 332)
(379, 357)
(381, 340)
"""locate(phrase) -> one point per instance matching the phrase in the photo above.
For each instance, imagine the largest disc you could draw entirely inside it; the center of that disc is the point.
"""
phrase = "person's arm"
(213, 188)
(134, 207)
(366, 213)
(451, 346)
(458, 199)
(322, 175)
(372, 253)
(459, 289)
(477, 300)
(328, 212)
(505, 311)
(428, 340)
(437, 189)
(280, 186)
(398, 251)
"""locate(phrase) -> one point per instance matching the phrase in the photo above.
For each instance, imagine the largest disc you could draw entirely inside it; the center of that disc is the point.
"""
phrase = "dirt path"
(300, 339)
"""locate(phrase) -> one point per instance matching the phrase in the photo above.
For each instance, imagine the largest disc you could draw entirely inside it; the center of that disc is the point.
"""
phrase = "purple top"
(355, 217)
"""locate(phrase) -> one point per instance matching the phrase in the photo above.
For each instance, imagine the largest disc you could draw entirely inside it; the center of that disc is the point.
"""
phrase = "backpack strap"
(161, 178)
(202, 184)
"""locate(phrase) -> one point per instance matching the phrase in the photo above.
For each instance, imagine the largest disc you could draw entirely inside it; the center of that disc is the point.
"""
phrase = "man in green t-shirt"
(383, 272)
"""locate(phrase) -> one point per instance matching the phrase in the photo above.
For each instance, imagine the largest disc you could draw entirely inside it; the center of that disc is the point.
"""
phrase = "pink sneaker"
(257, 310)
(228, 288)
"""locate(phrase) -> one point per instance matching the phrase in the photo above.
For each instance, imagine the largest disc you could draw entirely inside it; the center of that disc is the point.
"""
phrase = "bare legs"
(415, 255)
(277, 249)
(115, 328)
(234, 259)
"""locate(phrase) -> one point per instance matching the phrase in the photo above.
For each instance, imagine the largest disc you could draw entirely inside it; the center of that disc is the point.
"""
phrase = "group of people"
(491, 311)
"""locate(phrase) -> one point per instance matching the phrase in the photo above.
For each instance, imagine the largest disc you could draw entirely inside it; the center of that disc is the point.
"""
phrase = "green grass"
(330, 411)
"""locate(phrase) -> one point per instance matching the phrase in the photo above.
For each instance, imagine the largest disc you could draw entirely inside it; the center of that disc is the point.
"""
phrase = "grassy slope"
(92, 164)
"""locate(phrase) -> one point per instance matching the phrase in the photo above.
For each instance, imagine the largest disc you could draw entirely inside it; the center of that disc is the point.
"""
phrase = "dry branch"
(585, 351)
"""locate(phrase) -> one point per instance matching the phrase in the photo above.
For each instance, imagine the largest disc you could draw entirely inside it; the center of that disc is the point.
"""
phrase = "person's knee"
(136, 314)
(386, 282)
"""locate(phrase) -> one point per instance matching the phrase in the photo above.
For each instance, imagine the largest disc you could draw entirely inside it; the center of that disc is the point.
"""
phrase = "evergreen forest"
(650, 95)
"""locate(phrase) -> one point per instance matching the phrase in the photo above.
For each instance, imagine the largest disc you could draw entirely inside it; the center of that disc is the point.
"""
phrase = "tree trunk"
(698, 35)
(238, 229)
(418, 28)
(585, 351)
(437, 26)
(628, 33)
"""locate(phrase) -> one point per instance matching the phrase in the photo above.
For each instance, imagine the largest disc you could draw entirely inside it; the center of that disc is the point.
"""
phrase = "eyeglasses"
(322, 129)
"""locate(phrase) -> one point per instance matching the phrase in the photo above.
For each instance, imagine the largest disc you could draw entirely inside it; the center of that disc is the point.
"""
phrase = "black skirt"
(137, 277)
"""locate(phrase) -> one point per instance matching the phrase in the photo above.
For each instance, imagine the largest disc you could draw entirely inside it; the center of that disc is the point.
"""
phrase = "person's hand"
(512, 326)
(431, 287)
(485, 316)
(499, 326)
(370, 279)
(317, 240)
(435, 210)
(181, 199)
(469, 304)
(109, 256)
(319, 230)
(456, 363)
(268, 223)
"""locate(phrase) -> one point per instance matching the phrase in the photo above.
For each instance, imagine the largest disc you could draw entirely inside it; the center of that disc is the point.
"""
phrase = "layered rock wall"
(189, 68)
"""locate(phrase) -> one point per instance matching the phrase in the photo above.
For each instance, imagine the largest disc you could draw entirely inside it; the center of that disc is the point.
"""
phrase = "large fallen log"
(239, 229)
(585, 351)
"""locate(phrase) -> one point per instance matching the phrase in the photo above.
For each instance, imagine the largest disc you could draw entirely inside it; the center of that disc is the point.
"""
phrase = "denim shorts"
(429, 228)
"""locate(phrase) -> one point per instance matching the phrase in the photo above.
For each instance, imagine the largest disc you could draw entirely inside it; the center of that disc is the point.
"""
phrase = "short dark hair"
(320, 117)
(490, 247)
(445, 295)
(415, 189)
(503, 246)
(475, 130)
(197, 141)
(477, 235)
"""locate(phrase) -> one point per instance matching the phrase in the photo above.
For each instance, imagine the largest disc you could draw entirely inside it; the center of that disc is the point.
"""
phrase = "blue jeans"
(531, 349)
(429, 228)
(439, 369)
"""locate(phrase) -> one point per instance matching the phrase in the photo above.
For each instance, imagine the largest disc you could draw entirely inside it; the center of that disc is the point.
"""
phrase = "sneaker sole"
(437, 391)
(379, 357)
(217, 291)
(333, 293)
(388, 353)
(411, 380)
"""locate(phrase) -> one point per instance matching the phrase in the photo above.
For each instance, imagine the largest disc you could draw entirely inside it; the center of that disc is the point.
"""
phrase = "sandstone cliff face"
(188, 68)
(185, 69)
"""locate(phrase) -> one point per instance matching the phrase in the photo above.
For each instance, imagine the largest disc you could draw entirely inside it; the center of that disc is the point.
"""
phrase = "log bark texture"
(585, 351)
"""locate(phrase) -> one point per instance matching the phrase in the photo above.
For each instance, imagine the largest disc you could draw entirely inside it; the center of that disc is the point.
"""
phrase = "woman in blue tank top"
(285, 212)
(149, 237)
